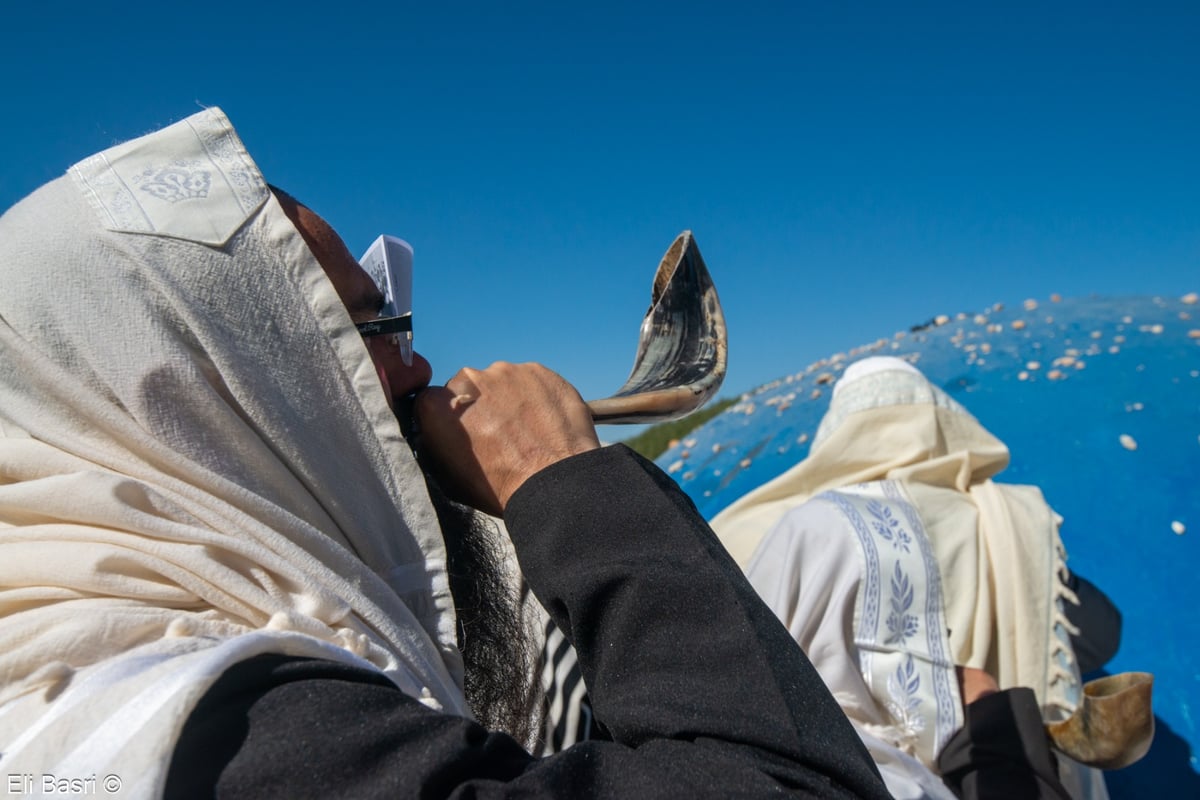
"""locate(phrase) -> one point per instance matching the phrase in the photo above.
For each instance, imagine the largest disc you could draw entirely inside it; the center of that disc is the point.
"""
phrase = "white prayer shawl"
(997, 551)
(197, 463)
(850, 576)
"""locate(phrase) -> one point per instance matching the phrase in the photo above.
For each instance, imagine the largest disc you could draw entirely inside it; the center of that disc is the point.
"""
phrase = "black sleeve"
(701, 690)
(1002, 751)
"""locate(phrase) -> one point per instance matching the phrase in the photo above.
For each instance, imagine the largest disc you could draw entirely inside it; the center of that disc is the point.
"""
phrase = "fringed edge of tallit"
(1063, 682)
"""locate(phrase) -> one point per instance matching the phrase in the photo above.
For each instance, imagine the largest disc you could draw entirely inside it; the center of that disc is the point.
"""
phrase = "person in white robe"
(894, 559)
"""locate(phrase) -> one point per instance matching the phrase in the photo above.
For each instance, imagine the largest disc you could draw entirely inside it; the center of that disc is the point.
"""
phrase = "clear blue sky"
(849, 169)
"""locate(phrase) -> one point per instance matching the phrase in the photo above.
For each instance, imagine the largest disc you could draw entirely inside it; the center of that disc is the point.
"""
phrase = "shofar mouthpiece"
(1113, 726)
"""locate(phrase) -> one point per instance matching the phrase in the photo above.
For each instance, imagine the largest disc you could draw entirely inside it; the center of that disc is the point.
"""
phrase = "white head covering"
(196, 457)
(997, 546)
(885, 420)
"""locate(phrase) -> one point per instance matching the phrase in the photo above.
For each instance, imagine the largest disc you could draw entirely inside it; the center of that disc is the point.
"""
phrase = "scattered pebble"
(1128, 442)
(1033, 366)
(1183, 315)
(1096, 334)
(1018, 324)
(1127, 320)
(716, 448)
(1114, 349)
(1194, 333)
(1056, 298)
(1054, 374)
(1190, 298)
(1178, 527)
(1031, 304)
(940, 320)
(816, 393)
(745, 462)
(1022, 375)
(675, 467)
(980, 319)
(1080, 364)
(802, 438)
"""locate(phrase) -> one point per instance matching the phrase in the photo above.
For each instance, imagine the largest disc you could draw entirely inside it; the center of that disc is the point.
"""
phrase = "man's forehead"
(355, 287)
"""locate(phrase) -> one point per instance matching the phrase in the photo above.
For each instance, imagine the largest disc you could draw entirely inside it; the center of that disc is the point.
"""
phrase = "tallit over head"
(885, 420)
(197, 460)
(997, 546)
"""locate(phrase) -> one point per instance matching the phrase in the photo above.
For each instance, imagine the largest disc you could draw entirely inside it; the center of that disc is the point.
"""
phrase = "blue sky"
(849, 169)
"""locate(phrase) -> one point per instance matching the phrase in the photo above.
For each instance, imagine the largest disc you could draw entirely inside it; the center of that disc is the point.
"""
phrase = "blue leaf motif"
(902, 590)
(903, 687)
(887, 526)
(901, 625)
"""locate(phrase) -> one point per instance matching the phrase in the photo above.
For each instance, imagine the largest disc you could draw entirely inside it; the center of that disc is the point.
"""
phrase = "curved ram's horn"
(1113, 725)
(680, 360)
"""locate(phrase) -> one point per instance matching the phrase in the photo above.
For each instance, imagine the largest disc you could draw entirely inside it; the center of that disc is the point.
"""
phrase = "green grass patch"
(654, 441)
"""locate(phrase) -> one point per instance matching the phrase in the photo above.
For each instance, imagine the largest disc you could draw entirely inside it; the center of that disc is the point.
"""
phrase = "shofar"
(680, 361)
(1113, 726)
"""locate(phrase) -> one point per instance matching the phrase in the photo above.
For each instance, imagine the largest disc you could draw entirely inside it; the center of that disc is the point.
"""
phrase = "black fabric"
(701, 690)
(1002, 751)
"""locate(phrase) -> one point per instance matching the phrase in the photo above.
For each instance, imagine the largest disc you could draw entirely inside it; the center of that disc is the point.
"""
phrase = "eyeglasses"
(397, 329)
(389, 263)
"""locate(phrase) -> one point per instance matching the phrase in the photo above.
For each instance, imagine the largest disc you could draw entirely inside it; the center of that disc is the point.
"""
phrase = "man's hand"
(487, 431)
(975, 684)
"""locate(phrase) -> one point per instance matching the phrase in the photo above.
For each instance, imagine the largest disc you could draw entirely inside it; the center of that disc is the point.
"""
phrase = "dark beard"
(495, 641)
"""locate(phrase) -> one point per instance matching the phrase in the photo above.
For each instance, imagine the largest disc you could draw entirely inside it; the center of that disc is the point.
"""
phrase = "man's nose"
(405, 380)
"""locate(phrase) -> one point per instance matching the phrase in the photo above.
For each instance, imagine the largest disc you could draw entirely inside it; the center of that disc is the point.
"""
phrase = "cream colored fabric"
(194, 448)
(997, 546)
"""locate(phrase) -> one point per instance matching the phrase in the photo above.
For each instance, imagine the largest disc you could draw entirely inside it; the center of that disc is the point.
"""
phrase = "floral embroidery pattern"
(887, 526)
(904, 706)
(900, 624)
(173, 185)
(947, 717)
(900, 632)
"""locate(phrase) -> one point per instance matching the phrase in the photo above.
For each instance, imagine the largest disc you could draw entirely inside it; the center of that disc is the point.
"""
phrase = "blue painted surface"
(1060, 383)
